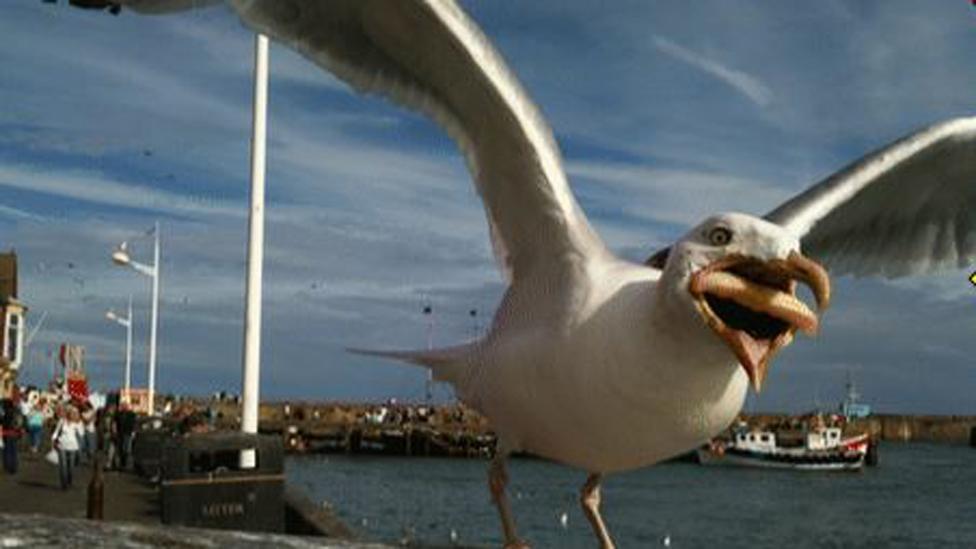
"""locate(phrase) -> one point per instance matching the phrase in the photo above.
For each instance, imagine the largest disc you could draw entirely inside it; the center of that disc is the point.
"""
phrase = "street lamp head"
(126, 322)
(121, 254)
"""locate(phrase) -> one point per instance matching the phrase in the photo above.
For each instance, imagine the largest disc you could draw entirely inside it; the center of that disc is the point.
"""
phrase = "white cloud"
(747, 85)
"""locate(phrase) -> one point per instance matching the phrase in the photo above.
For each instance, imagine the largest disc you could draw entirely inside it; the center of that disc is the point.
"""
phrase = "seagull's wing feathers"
(907, 208)
(428, 55)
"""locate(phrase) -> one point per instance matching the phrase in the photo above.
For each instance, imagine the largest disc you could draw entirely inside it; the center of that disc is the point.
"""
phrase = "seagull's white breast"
(604, 377)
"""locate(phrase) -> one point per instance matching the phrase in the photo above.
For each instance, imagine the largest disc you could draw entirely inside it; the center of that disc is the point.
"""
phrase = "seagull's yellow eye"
(719, 236)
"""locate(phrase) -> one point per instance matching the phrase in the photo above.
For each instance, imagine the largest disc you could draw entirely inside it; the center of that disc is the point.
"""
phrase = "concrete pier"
(35, 489)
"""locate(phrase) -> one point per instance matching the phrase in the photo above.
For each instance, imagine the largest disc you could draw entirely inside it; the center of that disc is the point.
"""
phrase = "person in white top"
(67, 440)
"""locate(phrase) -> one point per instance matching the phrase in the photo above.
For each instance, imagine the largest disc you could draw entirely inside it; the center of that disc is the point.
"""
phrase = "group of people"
(80, 431)
(19, 418)
(77, 431)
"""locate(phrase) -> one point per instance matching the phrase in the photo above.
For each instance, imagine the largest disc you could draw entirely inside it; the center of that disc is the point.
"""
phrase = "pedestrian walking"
(125, 426)
(35, 424)
(67, 440)
(105, 428)
(88, 413)
(12, 425)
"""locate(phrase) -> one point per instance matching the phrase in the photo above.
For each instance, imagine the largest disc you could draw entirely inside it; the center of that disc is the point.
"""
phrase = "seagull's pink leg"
(497, 479)
(590, 500)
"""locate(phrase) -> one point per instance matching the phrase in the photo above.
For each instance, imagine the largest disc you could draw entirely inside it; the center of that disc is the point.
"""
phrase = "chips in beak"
(752, 305)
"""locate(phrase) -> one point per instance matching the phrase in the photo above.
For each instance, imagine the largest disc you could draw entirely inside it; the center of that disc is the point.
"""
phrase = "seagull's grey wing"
(428, 55)
(907, 208)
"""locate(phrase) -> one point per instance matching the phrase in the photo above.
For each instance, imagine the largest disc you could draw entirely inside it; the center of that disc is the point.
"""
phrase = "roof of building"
(8, 275)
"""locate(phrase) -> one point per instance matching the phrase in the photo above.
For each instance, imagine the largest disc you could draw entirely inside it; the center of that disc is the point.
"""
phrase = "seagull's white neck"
(705, 364)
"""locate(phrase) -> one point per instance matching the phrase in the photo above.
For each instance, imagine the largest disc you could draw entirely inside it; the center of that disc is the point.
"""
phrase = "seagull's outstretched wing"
(428, 55)
(908, 208)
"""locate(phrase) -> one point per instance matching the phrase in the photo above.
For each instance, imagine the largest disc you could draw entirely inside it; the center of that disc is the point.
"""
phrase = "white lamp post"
(429, 385)
(127, 323)
(251, 367)
(121, 257)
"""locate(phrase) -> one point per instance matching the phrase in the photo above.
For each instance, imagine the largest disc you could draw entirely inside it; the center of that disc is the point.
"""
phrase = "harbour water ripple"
(921, 495)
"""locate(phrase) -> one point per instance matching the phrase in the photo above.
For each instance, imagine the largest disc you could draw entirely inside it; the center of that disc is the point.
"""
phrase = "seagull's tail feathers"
(446, 363)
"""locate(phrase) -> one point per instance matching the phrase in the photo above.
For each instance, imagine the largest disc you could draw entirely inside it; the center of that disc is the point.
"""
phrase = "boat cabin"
(755, 440)
(822, 439)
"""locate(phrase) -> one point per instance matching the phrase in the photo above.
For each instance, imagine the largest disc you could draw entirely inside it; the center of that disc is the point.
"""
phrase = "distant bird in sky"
(591, 360)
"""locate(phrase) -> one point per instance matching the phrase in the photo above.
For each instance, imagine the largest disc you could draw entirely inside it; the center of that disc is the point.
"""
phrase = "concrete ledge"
(303, 517)
(42, 531)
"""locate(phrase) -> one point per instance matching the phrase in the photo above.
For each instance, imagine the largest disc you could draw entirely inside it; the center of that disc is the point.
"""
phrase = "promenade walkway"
(35, 489)
(36, 512)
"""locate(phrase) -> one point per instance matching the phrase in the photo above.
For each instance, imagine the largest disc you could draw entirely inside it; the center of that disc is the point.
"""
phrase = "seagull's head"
(739, 274)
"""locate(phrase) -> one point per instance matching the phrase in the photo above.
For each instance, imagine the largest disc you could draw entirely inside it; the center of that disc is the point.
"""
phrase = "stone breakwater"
(456, 430)
(357, 428)
(898, 427)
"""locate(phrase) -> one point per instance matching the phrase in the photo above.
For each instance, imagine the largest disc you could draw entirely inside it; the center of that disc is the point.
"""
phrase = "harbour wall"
(900, 427)
(417, 429)
(382, 429)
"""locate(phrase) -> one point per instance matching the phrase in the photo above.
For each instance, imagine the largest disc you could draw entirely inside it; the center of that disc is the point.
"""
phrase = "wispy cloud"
(747, 85)
(16, 213)
(676, 196)
(95, 189)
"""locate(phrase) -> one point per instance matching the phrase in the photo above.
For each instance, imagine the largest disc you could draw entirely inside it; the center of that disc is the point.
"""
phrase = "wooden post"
(96, 490)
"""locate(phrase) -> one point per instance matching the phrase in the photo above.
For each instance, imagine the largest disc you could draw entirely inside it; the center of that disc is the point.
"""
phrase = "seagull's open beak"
(752, 305)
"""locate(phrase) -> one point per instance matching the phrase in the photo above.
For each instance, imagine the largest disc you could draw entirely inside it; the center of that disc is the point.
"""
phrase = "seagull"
(592, 360)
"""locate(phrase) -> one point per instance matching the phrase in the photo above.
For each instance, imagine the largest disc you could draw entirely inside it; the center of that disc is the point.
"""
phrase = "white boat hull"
(707, 457)
(846, 455)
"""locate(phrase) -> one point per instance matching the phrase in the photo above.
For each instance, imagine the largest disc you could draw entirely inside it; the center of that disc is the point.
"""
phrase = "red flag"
(78, 388)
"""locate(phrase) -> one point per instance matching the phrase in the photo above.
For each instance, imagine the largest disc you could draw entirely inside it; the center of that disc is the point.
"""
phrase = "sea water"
(920, 495)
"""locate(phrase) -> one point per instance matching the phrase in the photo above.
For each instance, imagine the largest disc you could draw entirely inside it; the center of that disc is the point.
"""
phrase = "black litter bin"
(147, 446)
(204, 486)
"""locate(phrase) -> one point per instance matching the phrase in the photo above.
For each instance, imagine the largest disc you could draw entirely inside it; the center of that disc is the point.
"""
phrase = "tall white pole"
(429, 385)
(128, 350)
(155, 321)
(255, 250)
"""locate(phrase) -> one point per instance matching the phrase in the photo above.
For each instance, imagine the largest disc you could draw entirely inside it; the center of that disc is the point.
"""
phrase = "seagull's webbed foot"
(497, 480)
(590, 500)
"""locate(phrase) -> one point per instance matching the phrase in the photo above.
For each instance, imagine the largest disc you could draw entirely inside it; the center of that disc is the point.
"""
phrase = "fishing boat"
(821, 449)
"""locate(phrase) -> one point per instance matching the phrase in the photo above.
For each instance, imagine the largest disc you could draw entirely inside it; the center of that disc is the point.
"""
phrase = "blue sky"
(665, 112)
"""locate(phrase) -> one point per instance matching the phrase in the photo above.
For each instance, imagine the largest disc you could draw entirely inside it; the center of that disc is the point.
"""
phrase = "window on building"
(14, 338)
